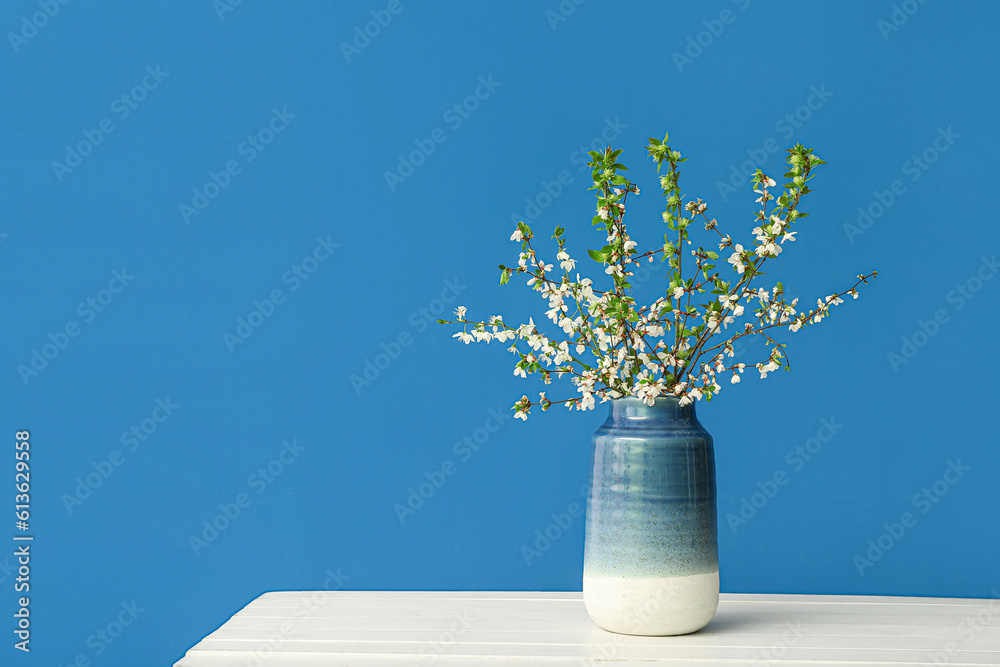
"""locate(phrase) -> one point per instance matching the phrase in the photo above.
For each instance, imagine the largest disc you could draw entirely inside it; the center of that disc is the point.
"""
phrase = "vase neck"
(631, 410)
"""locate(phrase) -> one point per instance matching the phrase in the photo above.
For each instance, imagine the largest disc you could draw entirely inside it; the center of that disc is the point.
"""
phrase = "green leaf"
(596, 256)
(712, 254)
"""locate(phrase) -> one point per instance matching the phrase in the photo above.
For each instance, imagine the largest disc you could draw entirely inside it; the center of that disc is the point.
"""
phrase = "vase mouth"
(665, 398)
(632, 408)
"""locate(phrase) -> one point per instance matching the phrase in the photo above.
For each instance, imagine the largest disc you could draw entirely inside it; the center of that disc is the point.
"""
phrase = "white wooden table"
(363, 628)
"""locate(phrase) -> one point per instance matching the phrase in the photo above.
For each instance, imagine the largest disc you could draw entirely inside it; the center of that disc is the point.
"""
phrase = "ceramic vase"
(651, 555)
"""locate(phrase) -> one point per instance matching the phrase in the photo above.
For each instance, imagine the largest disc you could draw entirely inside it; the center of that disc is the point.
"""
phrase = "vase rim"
(665, 397)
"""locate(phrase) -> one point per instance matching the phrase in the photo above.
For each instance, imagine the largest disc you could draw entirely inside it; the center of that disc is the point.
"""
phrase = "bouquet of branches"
(675, 346)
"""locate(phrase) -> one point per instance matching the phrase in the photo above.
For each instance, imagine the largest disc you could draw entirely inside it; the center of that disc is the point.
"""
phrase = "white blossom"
(567, 263)
(736, 260)
(770, 248)
(767, 368)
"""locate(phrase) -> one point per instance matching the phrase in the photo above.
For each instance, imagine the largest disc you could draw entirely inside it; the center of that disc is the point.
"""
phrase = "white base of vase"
(652, 606)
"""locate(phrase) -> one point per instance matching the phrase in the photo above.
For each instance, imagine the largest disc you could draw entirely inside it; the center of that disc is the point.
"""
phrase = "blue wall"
(168, 171)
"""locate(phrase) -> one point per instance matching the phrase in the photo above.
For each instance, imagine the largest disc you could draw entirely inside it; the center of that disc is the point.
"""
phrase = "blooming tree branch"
(610, 346)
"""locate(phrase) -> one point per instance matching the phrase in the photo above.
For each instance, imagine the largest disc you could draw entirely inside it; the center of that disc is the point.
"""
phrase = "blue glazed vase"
(651, 554)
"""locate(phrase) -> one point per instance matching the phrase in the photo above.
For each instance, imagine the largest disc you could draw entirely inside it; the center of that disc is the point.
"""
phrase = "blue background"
(558, 84)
